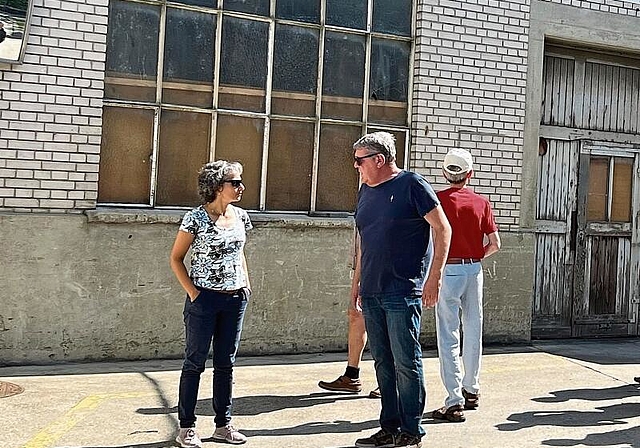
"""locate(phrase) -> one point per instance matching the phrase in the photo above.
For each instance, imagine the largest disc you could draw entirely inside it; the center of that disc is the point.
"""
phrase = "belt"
(463, 260)
(219, 291)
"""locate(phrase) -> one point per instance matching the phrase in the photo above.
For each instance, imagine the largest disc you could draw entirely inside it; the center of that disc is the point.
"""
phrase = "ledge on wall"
(113, 215)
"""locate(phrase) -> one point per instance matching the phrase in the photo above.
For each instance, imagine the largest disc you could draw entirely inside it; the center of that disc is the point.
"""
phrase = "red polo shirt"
(471, 218)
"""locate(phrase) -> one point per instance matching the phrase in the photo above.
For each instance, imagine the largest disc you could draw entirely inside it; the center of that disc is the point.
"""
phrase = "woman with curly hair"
(218, 290)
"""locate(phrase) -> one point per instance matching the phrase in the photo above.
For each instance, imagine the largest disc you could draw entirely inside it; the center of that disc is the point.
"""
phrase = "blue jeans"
(218, 317)
(393, 325)
(461, 294)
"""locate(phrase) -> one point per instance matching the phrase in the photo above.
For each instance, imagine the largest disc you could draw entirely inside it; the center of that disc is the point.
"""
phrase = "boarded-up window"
(125, 157)
(610, 189)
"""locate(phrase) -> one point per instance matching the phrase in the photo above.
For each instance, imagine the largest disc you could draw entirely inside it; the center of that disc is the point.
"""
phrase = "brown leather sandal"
(453, 414)
(471, 401)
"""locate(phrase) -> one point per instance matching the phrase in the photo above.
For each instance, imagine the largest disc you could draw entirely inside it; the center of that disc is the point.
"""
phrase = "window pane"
(393, 17)
(243, 69)
(337, 178)
(401, 139)
(388, 81)
(295, 69)
(240, 139)
(184, 148)
(343, 76)
(622, 184)
(188, 58)
(125, 155)
(132, 51)
(290, 164)
(258, 7)
(598, 184)
(347, 13)
(301, 10)
(209, 3)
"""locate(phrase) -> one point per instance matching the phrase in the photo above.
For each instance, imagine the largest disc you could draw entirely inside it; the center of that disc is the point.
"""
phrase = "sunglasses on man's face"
(359, 160)
(235, 183)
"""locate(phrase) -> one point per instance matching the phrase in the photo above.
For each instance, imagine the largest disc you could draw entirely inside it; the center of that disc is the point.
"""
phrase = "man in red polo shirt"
(474, 236)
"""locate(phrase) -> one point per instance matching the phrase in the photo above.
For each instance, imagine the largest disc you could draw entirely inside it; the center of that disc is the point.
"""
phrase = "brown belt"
(463, 260)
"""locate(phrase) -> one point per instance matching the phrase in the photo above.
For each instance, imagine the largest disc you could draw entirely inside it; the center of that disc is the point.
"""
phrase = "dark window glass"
(301, 10)
(393, 17)
(347, 13)
(295, 70)
(343, 65)
(125, 155)
(343, 75)
(244, 52)
(388, 81)
(183, 149)
(189, 58)
(258, 7)
(289, 165)
(209, 3)
(132, 51)
(389, 70)
(295, 66)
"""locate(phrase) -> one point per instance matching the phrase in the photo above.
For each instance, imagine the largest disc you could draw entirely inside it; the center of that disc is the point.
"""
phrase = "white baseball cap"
(457, 161)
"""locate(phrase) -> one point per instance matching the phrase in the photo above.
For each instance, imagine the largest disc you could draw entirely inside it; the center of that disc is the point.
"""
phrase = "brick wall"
(51, 110)
(469, 92)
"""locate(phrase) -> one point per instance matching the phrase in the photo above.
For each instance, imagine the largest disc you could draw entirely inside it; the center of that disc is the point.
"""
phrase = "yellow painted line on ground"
(58, 428)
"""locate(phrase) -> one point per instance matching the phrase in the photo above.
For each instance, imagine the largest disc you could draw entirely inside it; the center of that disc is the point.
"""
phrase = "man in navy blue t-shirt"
(395, 276)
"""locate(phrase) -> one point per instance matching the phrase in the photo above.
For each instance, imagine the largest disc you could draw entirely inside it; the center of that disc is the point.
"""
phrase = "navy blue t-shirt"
(394, 235)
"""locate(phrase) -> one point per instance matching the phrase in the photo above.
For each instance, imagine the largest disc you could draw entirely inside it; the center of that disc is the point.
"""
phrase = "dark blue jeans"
(393, 325)
(218, 317)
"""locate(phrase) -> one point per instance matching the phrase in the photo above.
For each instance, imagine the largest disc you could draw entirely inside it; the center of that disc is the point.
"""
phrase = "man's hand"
(431, 292)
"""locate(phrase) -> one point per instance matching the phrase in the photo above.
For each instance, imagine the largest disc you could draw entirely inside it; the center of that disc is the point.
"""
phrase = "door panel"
(557, 179)
(602, 286)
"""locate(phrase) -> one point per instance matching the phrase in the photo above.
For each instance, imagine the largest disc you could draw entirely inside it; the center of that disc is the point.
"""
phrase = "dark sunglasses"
(359, 160)
(235, 183)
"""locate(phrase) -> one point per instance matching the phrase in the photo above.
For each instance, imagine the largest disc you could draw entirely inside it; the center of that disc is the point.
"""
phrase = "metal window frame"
(267, 115)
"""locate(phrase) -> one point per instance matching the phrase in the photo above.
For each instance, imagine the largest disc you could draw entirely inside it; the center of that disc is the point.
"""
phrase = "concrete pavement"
(552, 393)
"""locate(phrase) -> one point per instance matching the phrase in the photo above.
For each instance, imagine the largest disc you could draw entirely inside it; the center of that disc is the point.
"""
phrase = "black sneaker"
(381, 439)
(405, 440)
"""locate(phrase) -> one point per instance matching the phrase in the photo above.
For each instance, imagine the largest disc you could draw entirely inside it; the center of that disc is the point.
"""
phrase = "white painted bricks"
(51, 110)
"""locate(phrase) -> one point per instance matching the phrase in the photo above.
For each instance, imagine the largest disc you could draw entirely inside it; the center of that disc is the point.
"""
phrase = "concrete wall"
(78, 289)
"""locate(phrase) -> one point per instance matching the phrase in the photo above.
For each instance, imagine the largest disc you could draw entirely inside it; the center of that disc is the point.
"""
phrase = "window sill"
(109, 215)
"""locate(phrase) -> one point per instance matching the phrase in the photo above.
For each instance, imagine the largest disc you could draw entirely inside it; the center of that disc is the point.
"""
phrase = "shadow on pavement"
(615, 416)
(626, 437)
(597, 351)
(260, 404)
(311, 428)
(609, 393)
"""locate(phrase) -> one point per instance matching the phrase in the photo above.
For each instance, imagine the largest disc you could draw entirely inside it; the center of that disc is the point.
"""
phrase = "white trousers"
(460, 296)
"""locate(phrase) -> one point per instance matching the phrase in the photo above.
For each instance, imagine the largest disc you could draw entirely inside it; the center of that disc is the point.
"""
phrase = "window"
(610, 187)
(283, 86)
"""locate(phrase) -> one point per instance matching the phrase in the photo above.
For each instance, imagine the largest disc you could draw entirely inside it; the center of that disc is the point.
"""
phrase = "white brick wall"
(51, 110)
(612, 6)
(470, 81)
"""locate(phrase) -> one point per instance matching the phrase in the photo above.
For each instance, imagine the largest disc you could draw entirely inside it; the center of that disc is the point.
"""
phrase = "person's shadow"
(610, 393)
(260, 404)
(615, 415)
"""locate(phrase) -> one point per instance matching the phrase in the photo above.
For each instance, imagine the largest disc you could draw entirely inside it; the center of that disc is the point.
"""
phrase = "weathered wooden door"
(587, 280)
(606, 259)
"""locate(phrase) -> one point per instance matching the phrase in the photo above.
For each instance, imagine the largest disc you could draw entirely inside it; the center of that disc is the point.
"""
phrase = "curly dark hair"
(211, 177)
